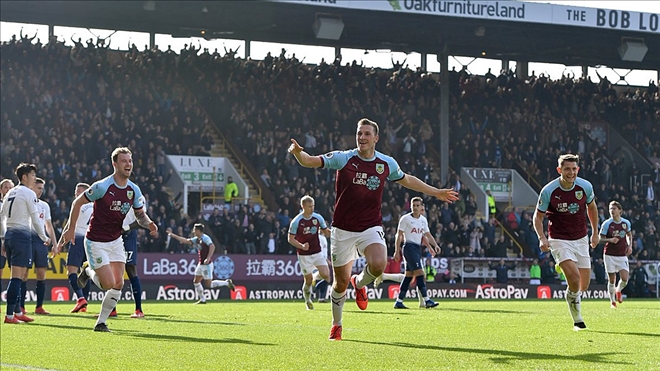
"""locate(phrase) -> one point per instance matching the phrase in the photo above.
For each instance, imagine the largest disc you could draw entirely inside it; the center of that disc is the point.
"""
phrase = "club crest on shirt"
(579, 194)
(314, 221)
(380, 168)
(129, 194)
(624, 226)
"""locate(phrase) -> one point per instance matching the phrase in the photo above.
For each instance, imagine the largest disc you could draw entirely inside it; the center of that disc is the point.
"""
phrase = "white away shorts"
(345, 246)
(575, 250)
(309, 262)
(102, 253)
(614, 264)
(204, 270)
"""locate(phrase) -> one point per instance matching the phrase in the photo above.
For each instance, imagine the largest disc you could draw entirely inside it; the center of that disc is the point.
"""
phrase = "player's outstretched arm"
(412, 182)
(303, 157)
(183, 240)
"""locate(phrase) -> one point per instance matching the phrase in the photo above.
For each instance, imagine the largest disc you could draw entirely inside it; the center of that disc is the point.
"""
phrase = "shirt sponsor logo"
(373, 183)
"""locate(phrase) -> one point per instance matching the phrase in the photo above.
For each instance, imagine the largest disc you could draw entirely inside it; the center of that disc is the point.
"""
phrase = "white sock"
(307, 292)
(573, 301)
(610, 290)
(338, 300)
(200, 291)
(219, 283)
(316, 276)
(108, 304)
(422, 300)
(396, 277)
(94, 277)
(621, 286)
(364, 278)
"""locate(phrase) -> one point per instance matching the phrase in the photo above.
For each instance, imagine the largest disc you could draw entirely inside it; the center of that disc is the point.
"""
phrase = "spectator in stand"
(231, 190)
(535, 273)
(639, 277)
(501, 271)
(548, 273)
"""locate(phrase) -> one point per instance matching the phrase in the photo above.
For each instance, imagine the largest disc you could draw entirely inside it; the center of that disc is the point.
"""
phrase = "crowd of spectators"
(66, 108)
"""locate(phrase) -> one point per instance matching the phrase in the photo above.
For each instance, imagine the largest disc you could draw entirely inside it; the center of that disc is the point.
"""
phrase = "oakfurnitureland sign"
(517, 11)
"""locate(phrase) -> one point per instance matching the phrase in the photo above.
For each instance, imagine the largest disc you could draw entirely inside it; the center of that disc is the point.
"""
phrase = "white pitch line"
(22, 367)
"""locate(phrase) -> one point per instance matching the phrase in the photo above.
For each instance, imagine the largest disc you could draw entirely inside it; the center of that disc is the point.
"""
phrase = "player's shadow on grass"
(69, 327)
(405, 312)
(643, 334)
(493, 311)
(170, 320)
(506, 356)
(188, 339)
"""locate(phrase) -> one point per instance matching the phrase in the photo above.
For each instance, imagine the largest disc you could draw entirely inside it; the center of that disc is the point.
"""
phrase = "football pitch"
(258, 335)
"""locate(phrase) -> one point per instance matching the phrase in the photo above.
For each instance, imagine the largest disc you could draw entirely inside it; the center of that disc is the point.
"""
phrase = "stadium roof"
(363, 29)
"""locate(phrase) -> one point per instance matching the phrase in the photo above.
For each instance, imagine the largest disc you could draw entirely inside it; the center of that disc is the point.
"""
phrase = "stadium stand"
(65, 108)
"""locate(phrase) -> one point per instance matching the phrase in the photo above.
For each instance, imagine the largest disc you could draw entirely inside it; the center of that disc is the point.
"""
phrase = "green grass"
(466, 335)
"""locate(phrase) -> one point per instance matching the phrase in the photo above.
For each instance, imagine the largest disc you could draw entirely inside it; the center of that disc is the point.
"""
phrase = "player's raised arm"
(303, 157)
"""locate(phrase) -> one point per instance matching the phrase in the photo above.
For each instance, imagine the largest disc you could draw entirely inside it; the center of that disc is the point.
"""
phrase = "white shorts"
(102, 253)
(204, 270)
(345, 246)
(575, 250)
(309, 262)
(614, 264)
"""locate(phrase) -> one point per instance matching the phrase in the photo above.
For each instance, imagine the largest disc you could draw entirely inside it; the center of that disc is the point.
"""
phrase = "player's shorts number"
(129, 255)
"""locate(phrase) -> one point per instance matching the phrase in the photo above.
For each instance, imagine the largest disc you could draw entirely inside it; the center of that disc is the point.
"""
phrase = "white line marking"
(22, 367)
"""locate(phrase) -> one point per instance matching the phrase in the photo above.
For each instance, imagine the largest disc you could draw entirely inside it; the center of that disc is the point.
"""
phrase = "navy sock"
(421, 284)
(23, 295)
(13, 291)
(73, 281)
(403, 287)
(85, 289)
(41, 292)
(136, 288)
